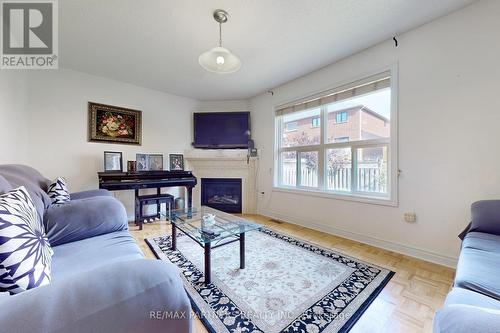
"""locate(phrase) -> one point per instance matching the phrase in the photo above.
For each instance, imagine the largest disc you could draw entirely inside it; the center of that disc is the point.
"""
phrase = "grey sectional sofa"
(101, 281)
(473, 305)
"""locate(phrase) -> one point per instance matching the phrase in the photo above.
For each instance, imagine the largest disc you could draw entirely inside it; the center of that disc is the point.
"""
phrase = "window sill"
(336, 196)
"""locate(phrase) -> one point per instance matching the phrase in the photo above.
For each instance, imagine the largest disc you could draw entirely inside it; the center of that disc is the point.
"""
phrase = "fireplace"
(222, 193)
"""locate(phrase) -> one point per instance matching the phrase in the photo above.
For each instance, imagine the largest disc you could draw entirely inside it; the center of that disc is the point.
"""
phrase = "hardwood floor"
(408, 302)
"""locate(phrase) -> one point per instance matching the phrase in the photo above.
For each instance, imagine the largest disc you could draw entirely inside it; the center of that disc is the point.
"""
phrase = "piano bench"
(151, 199)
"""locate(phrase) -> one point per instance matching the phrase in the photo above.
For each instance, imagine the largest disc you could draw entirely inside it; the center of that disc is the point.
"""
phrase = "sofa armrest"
(461, 318)
(121, 297)
(80, 219)
(90, 194)
(485, 217)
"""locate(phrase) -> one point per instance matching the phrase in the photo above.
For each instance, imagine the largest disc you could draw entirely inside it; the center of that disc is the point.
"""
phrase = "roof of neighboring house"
(363, 108)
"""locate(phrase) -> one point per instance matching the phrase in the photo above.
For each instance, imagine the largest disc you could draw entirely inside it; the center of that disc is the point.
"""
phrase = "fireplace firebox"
(222, 193)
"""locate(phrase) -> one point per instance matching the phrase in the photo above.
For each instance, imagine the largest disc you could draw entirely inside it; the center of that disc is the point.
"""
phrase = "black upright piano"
(118, 181)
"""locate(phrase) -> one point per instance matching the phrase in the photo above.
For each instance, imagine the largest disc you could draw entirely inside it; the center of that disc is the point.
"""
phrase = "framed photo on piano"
(113, 161)
(149, 162)
(142, 162)
(155, 162)
(176, 162)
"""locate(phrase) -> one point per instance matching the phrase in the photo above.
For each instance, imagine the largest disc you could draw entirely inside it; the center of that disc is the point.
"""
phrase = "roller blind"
(361, 87)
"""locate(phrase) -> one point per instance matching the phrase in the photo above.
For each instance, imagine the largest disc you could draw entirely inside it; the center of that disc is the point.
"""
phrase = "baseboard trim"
(373, 241)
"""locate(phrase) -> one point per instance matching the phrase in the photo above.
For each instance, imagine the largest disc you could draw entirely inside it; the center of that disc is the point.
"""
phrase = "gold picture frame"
(114, 124)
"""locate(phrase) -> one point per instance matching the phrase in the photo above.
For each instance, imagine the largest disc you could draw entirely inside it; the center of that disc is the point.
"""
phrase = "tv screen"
(221, 129)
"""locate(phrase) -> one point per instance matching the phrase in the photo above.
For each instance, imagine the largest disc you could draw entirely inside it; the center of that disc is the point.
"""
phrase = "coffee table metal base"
(208, 252)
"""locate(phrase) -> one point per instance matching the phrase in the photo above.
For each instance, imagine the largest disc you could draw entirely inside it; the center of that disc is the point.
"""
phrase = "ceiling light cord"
(220, 34)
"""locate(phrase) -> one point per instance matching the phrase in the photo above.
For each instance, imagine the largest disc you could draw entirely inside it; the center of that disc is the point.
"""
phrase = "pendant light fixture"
(219, 59)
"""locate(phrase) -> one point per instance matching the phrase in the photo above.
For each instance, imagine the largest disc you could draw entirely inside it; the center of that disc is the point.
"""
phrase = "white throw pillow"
(25, 252)
(58, 191)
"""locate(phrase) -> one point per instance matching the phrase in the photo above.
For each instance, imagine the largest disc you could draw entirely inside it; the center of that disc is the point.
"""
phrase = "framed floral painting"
(114, 124)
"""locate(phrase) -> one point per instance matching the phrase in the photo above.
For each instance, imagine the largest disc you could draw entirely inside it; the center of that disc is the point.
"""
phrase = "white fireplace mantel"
(225, 164)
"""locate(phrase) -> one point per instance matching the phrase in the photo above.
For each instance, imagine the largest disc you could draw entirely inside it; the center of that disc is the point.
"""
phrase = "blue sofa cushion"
(74, 258)
(468, 297)
(467, 311)
(117, 297)
(89, 194)
(84, 218)
(478, 266)
(4, 185)
(25, 252)
(486, 217)
(58, 191)
(460, 318)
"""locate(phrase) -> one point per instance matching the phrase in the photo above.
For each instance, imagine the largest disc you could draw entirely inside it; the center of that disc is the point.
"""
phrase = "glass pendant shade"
(219, 60)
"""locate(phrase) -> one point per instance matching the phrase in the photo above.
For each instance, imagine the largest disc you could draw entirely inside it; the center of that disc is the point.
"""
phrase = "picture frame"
(114, 124)
(131, 167)
(142, 162)
(176, 162)
(155, 162)
(113, 161)
(149, 162)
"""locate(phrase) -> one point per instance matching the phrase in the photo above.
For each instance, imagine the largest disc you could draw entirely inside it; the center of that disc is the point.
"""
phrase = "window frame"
(341, 113)
(313, 125)
(389, 199)
(286, 130)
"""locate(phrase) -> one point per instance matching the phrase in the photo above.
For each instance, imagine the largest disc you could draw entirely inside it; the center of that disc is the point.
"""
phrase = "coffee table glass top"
(224, 225)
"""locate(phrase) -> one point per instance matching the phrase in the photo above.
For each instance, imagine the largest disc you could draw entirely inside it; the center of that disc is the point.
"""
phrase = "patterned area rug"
(288, 285)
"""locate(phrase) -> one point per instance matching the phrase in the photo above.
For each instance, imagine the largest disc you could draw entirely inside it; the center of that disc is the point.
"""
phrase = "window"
(350, 155)
(316, 122)
(300, 135)
(291, 126)
(341, 117)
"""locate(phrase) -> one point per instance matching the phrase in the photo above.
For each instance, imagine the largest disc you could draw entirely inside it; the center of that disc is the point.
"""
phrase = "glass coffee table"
(225, 229)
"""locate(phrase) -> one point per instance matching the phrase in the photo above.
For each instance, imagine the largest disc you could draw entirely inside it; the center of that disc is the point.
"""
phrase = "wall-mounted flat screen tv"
(221, 130)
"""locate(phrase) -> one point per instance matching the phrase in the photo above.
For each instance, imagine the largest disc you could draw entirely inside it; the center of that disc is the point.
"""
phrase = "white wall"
(223, 106)
(449, 116)
(57, 112)
(13, 118)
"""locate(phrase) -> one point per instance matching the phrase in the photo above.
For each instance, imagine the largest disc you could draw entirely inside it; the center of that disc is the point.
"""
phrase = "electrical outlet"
(410, 217)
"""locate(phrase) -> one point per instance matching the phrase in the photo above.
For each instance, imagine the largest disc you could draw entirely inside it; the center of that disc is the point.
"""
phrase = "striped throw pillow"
(58, 191)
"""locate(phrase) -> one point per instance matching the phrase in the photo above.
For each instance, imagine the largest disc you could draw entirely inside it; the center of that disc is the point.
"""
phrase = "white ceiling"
(156, 43)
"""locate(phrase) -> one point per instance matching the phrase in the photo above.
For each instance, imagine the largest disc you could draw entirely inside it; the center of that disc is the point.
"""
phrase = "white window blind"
(358, 88)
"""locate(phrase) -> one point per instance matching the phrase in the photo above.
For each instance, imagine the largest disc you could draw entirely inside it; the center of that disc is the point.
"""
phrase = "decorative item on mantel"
(108, 123)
